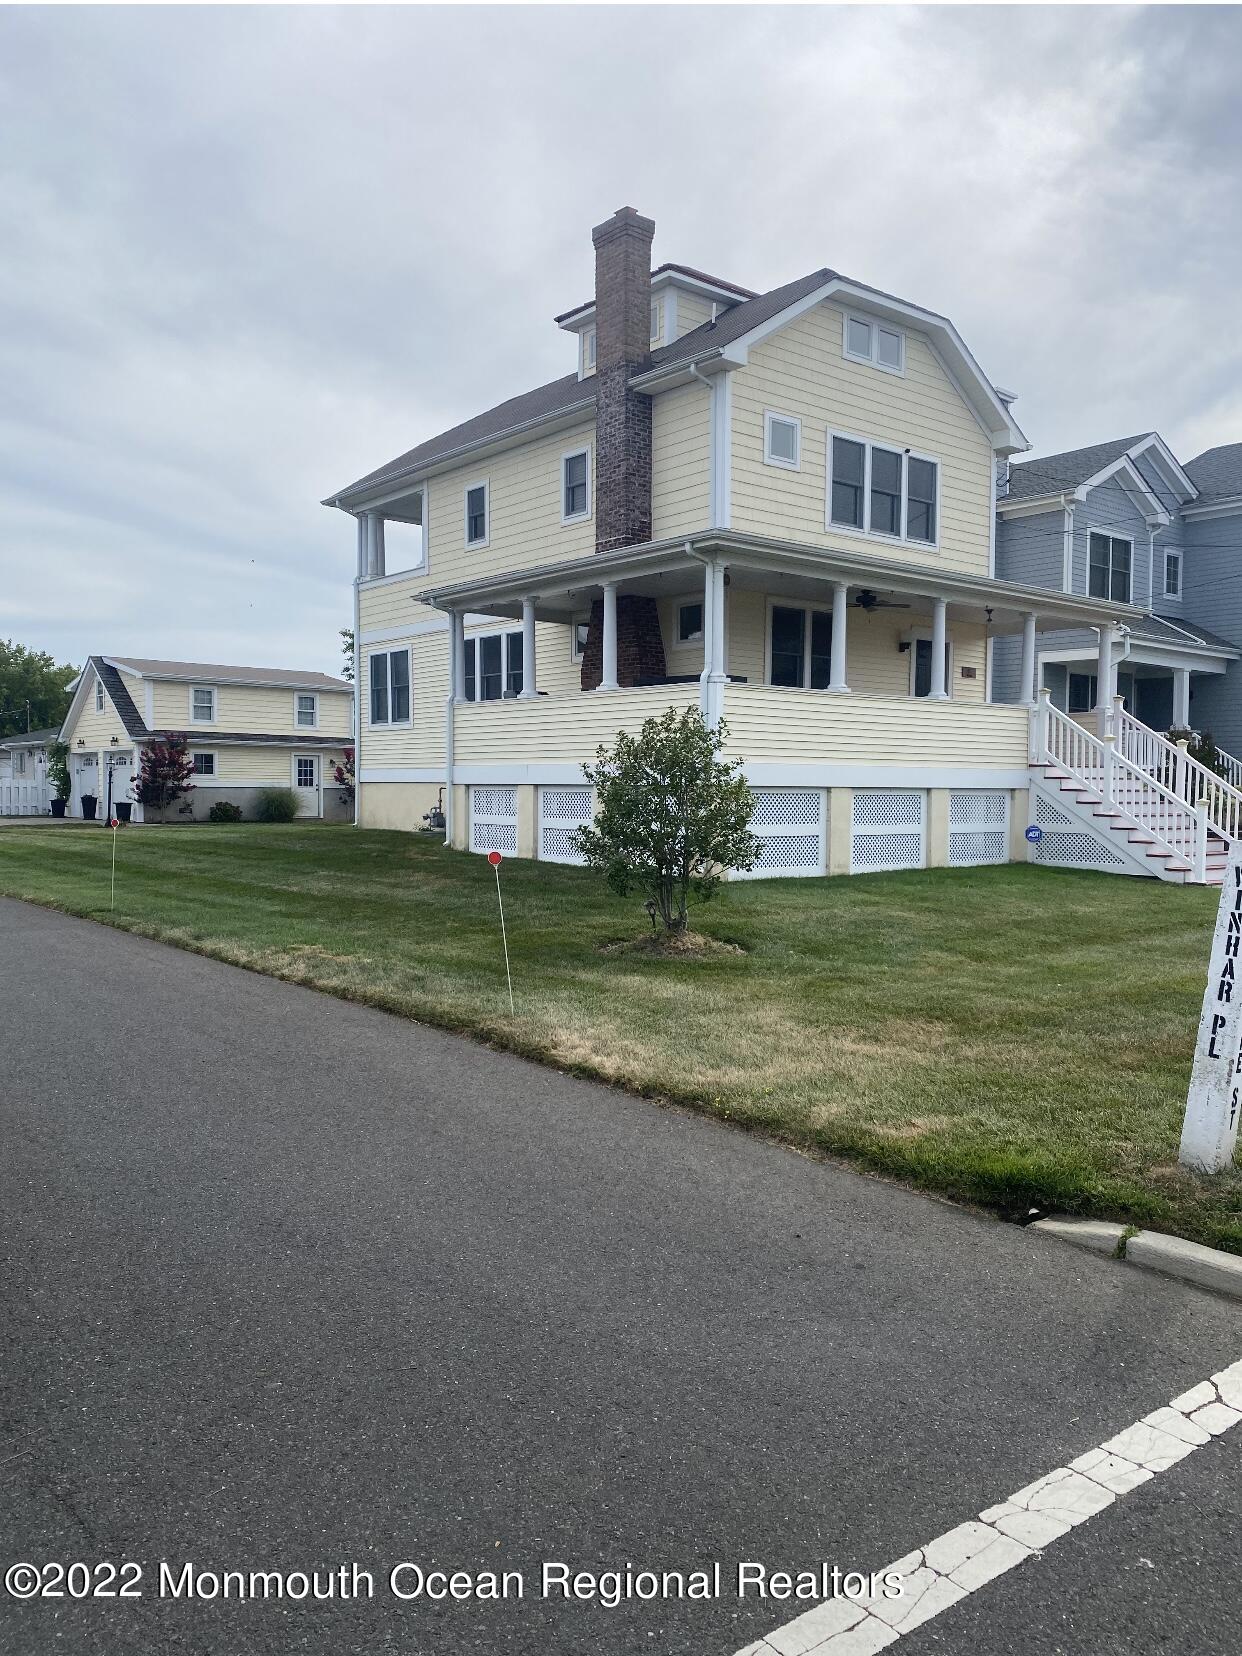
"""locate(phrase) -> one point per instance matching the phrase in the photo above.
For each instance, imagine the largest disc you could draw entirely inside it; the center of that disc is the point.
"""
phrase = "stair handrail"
(1187, 777)
(1060, 740)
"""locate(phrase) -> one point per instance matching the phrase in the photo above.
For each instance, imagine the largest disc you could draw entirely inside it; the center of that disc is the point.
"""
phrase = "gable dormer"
(682, 299)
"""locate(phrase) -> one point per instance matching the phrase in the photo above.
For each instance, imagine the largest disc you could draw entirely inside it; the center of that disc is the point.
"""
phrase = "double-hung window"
(202, 704)
(867, 340)
(882, 491)
(576, 485)
(477, 527)
(800, 647)
(306, 714)
(1172, 573)
(1109, 572)
(390, 687)
(204, 764)
(493, 666)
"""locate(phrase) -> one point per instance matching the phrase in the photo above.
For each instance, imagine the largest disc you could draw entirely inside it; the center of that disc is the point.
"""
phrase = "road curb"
(1170, 1255)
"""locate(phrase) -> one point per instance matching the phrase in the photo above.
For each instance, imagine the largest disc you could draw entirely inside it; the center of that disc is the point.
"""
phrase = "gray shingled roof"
(284, 678)
(564, 395)
(1159, 631)
(115, 685)
(1217, 472)
(29, 738)
(1028, 479)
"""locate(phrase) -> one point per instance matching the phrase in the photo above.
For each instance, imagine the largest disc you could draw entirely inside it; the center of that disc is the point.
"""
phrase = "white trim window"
(389, 683)
(1173, 574)
(586, 357)
(1080, 692)
(478, 513)
(579, 632)
(657, 320)
(494, 666)
(875, 489)
(782, 440)
(204, 764)
(576, 485)
(1110, 559)
(202, 704)
(690, 622)
(306, 710)
(99, 695)
(799, 652)
(864, 339)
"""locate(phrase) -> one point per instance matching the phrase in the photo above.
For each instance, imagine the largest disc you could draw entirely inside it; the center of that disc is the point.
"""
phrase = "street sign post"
(495, 858)
(1210, 1129)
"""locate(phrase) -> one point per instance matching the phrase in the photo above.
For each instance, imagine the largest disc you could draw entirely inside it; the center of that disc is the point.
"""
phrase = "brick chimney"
(622, 345)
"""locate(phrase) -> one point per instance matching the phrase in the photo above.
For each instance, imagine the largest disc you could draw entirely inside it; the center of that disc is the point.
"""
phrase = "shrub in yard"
(58, 770)
(672, 814)
(224, 810)
(276, 805)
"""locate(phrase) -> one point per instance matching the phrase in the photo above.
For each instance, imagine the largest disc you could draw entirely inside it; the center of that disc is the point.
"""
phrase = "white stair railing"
(1171, 764)
(1135, 794)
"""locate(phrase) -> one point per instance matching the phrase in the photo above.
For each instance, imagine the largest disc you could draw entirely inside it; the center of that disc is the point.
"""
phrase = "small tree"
(672, 814)
(347, 653)
(58, 769)
(343, 774)
(165, 774)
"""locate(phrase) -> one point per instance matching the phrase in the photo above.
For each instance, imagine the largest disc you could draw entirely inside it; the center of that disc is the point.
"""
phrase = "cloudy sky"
(251, 254)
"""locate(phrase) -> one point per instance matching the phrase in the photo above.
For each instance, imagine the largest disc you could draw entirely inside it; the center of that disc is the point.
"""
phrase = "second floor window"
(493, 666)
(476, 515)
(1109, 571)
(882, 491)
(390, 687)
(307, 710)
(1172, 574)
(575, 484)
(202, 704)
(782, 440)
(98, 696)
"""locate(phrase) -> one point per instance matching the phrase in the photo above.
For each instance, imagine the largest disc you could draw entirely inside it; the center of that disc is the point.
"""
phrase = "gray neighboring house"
(1126, 520)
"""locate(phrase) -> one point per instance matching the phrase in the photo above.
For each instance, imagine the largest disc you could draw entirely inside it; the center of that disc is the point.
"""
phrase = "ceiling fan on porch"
(868, 601)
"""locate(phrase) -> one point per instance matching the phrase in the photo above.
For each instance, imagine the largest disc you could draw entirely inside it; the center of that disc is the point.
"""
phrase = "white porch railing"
(1233, 768)
(1136, 794)
(1170, 764)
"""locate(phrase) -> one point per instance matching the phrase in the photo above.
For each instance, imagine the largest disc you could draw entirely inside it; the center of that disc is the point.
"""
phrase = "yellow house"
(779, 508)
(248, 728)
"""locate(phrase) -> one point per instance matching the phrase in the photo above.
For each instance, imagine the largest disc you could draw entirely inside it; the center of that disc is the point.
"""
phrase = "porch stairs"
(1142, 803)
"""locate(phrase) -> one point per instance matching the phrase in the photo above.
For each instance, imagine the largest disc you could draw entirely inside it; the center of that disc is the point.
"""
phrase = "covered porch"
(1156, 666)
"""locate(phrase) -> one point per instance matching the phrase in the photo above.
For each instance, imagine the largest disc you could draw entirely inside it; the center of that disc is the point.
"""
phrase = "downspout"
(357, 699)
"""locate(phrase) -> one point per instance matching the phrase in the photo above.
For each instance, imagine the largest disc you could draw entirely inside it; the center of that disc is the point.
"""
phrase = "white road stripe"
(955, 1564)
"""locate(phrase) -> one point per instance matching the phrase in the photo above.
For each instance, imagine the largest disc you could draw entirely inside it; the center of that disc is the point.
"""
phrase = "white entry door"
(85, 779)
(306, 783)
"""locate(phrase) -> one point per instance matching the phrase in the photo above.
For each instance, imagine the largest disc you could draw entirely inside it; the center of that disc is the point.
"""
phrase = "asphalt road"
(290, 1284)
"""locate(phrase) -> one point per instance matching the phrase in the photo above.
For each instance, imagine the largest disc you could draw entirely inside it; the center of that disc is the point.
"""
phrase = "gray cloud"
(251, 254)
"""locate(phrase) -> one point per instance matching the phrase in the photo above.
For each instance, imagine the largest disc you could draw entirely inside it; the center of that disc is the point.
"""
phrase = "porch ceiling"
(782, 568)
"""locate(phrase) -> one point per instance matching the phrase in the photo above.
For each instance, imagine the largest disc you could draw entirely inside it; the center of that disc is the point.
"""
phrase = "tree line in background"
(34, 690)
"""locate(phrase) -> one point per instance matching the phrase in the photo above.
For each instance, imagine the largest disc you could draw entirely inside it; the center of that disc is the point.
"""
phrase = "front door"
(85, 779)
(306, 783)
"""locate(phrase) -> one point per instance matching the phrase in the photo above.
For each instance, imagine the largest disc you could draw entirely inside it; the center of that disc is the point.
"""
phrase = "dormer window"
(867, 340)
(588, 351)
(99, 695)
(657, 321)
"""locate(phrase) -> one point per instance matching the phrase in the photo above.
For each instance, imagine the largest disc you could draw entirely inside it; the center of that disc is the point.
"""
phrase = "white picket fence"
(25, 798)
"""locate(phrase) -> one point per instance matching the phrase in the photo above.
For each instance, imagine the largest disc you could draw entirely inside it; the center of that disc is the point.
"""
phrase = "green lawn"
(1013, 1036)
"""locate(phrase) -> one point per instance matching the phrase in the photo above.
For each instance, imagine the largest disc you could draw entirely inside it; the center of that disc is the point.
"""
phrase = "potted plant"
(58, 776)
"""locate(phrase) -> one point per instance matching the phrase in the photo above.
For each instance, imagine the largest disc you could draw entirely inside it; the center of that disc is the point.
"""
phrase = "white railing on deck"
(1136, 794)
(1233, 768)
(1170, 764)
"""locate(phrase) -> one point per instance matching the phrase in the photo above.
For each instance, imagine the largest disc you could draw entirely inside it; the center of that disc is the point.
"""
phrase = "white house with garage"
(248, 728)
(779, 508)
(23, 773)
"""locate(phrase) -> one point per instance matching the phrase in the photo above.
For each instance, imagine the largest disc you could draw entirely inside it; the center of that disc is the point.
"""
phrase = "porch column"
(362, 548)
(608, 680)
(1181, 697)
(457, 655)
(1028, 660)
(709, 630)
(1105, 686)
(375, 544)
(939, 690)
(717, 677)
(529, 687)
(840, 610)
